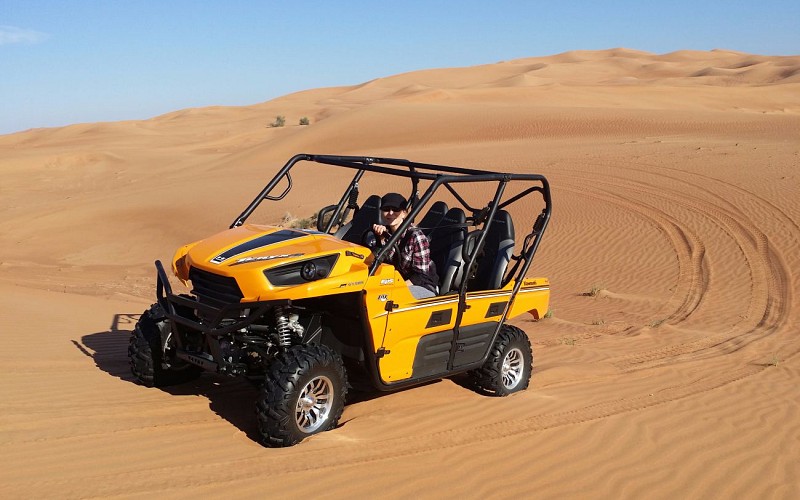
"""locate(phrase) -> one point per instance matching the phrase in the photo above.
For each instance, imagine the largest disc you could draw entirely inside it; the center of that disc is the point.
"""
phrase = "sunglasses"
(390, 209)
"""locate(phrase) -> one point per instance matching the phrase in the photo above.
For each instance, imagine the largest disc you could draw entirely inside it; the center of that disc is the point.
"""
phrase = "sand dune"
(675, 202)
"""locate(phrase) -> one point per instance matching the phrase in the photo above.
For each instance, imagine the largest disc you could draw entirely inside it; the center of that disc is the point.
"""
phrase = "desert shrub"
(280, 121)
(290, 221)
(593, 292)
(304, 121)
(286, 220)
(307, 223)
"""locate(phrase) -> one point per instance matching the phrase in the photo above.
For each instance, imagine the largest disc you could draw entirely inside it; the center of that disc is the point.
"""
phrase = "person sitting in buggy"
(412, 256)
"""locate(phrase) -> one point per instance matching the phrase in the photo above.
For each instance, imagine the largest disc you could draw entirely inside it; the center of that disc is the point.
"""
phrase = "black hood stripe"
(261, 241)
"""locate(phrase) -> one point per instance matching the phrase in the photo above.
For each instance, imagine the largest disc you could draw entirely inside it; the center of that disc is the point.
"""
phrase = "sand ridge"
(669, 366)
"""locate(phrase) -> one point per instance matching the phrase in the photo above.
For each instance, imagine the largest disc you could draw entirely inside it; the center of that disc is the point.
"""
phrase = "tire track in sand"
(770, 282)
(314, 458)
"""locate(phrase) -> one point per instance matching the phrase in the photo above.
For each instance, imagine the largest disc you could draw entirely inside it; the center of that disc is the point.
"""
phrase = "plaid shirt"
(414, 259)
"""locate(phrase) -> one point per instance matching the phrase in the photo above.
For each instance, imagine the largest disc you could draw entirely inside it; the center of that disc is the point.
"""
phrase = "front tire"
(303, 394)
(146, 354)
(508, 368)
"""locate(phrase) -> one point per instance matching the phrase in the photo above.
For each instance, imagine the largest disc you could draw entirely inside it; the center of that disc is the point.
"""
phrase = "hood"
(247, 252)
(253, 243)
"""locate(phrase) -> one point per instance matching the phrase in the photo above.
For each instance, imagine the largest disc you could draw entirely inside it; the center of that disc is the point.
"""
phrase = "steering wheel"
(370, 240)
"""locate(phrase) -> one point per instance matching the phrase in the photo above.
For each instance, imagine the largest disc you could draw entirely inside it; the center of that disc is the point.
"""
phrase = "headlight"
(309, 271)
(297, 273)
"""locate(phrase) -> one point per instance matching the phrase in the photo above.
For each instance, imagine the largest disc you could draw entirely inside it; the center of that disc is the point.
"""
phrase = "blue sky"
(64, 62)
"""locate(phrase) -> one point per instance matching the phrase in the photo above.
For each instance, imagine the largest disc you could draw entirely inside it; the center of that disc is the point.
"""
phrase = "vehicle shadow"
(233, 399)
(109, 349)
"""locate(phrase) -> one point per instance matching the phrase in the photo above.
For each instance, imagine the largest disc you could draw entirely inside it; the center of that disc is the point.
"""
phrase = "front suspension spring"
(282, 325)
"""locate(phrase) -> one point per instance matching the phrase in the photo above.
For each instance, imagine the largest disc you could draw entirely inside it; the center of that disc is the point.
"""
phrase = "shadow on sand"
(232, 398)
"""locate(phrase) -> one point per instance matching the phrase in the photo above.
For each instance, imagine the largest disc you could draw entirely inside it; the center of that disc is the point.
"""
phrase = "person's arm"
(383, 235)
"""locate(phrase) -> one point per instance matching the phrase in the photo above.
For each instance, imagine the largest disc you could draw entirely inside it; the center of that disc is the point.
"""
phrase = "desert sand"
(669, 367)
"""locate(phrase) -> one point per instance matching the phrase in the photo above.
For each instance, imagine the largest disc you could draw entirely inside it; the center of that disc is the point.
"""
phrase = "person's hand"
(380, 231)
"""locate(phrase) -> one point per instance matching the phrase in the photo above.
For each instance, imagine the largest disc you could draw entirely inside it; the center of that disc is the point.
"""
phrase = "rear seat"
(497, 251)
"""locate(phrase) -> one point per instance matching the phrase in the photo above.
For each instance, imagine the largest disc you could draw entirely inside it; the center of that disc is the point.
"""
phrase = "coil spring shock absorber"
(282, 325)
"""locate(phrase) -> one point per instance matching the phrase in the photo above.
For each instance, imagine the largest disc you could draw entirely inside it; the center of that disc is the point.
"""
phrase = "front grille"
(214, 289)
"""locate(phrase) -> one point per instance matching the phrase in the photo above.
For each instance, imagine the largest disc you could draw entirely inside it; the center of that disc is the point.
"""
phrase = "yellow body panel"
(408, 322)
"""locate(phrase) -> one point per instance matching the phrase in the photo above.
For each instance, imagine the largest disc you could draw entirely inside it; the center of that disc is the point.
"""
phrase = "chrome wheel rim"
(314, 404)
(513, 366)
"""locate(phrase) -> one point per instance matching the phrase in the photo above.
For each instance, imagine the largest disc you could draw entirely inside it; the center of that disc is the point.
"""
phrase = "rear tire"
(146, 354)
(303, 394)
(508, 368)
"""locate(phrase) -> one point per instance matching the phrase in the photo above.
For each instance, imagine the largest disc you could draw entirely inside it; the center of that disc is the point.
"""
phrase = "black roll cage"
(440, 175)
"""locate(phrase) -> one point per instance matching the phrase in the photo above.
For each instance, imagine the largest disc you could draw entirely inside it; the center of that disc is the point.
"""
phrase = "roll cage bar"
(440, 176)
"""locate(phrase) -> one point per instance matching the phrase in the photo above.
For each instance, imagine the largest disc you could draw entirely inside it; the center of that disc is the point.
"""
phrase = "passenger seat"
(446, 241)
(367, 215)
(435, 214)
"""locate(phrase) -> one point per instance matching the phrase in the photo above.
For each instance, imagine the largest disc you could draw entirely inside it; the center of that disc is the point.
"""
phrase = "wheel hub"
(307, 403)
(314, 404)
(513, 366)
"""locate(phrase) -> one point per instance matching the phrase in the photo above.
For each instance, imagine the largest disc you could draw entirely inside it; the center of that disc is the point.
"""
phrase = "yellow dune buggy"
(310, 313)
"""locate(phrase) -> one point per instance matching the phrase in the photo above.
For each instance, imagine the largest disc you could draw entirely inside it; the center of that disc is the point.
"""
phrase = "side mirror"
(324, 217)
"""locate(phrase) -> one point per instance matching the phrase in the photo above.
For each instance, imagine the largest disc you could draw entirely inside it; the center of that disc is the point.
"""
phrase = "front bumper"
(217, 321)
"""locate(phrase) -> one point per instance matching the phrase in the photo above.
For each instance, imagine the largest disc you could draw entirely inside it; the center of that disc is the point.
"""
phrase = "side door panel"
(433, 354)
(472, 343)
(418, 337)
(378, 292)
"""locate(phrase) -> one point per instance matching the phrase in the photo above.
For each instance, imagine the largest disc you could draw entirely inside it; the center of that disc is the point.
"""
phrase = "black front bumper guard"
(242, 314)
(225, 320)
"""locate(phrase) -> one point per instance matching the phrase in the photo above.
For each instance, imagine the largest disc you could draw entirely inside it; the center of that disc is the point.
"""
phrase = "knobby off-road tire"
(146, 356)
(303, 394)
(508, 368)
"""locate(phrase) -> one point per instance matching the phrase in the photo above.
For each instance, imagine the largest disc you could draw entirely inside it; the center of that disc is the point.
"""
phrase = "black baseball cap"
(394, 200)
